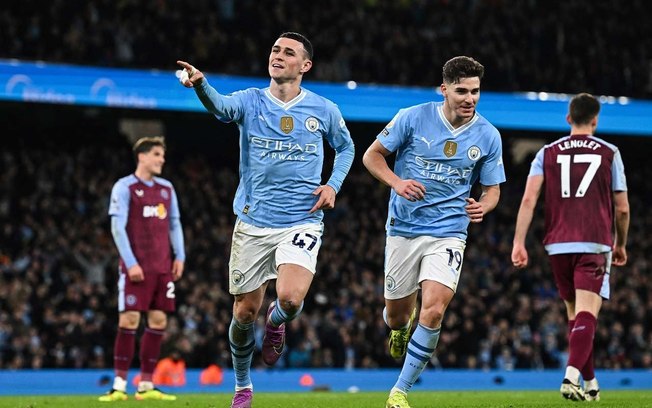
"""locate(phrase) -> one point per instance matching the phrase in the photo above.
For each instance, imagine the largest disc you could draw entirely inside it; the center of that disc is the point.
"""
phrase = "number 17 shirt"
(581, 172)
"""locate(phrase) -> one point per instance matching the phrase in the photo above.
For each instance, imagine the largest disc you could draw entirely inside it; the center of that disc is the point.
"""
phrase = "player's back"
(578, 190)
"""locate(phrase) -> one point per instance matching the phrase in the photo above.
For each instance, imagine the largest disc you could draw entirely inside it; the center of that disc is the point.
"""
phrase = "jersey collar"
(455, 132)
(285, 105)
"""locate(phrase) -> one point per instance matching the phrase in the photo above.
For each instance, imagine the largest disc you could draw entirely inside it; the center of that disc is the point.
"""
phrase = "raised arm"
(224, 107)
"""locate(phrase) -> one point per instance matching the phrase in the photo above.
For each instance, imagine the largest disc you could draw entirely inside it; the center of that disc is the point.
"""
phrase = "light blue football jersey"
(282, 152)
(446, 161)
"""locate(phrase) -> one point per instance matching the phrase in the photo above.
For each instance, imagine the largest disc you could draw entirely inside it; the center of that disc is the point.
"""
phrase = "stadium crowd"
(58, 266)
(598, 47)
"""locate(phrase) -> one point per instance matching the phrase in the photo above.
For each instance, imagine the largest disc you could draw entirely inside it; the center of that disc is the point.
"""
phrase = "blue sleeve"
(225, 108)
(120, 196)
(395, 133)
(493, 169)
(536, 169)
(176, 230)
(119, 232)
(619, 181)
(119, 212)
(340, 139)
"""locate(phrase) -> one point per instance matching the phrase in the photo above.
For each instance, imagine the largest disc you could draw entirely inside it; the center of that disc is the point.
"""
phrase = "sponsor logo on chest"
(155, 211)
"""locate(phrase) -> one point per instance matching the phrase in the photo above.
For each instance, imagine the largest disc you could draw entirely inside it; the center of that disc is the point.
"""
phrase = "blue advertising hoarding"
(154, 89)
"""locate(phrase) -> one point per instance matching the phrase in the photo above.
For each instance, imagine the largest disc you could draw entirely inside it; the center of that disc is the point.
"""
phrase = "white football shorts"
(257, 252)
(410, 261)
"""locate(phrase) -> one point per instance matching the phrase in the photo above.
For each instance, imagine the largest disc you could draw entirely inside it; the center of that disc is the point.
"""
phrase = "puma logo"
(426, 141)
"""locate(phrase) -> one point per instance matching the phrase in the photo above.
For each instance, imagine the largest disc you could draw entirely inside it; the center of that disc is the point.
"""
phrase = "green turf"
(610, 399)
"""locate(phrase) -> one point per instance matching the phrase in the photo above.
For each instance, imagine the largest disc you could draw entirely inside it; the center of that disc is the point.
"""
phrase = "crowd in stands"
(58, 263)
(600, 47)
(58, 269)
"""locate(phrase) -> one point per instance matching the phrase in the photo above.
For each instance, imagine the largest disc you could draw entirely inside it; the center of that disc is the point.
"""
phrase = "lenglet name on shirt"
(576, 144)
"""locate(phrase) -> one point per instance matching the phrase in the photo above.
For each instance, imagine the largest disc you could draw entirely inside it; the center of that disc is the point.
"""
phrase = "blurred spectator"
(533, 45)
(53, 316)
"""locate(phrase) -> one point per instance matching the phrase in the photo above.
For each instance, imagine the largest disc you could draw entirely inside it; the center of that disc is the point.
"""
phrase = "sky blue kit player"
(280, 197)
(447, 161)
(282, 152)
(442, 149)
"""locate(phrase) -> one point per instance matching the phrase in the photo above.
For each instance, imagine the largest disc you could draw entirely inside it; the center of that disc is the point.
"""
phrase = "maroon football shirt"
(578, 191)
(148, 226)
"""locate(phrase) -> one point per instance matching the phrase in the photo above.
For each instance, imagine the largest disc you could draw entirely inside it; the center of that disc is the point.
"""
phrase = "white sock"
(572, 374)
(250, 386)
(394, 390)
(145, 386)
(120, 384)
(591, 384)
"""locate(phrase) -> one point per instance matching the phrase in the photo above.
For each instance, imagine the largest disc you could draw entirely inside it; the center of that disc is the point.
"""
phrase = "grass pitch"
(461, 399)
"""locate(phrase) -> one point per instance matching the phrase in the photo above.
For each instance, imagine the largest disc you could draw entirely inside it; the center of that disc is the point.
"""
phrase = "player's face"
(288, 60)
(153, 160)
(462, 98)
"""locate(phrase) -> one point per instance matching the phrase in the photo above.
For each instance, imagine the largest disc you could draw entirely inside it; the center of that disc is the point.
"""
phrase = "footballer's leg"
(274, 338)
(149, 353)
(591, 387)
(399, 338)
(242, 343)
(402, 262)
(580, 342)
(292, 285)
(123, 352)
(295, 260)
(435, 299)
(589, 302)
(150, 343)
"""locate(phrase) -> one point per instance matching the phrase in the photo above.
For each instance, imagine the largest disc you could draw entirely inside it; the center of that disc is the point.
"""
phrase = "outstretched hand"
(191, 76)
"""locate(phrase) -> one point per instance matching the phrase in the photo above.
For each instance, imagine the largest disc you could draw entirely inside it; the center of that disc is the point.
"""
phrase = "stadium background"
(58, 163)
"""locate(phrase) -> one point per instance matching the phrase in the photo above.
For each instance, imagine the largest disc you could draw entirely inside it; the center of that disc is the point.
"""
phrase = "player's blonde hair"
(145, 144)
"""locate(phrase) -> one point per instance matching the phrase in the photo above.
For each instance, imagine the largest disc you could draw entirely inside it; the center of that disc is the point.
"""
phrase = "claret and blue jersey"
(447, 161)
(581, 173)
(148, 211)
(282, 152)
